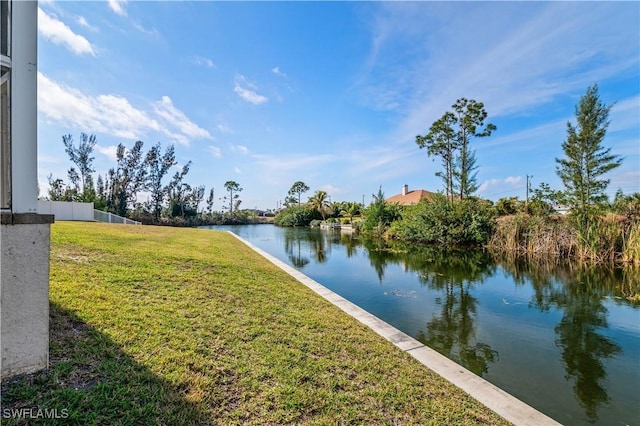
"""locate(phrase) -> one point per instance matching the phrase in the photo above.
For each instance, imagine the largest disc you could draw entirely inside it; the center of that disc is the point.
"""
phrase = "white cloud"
(206, 62)
(291, 162)
(278, 169)
(224, 129)
(59, 33)
(113, 114)
(237, 170)
(215, 151)
(243, 88)
(118, 6)
(152, 32)
(177, 118)
(546, 47)
(508, 186)
(625, 114)
(83, 23)
(108, 151)
(277, 71)
(513, 180)
(332, 190)
(240, 149)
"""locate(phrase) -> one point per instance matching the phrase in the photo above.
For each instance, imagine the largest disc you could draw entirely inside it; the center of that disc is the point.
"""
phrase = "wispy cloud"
(240, 149)
(202, 61)
(118, 6)
(215, 151)
(279, 168)
(508, 186)
(109, 151)
(59, 33)
(277, 71)
(113, 114)
(243, 89)
(84, 23)
(151, 32)
(529, 138)
(177, 118)
(222, 128)
(531, 54)
(625, 115)
(332, 190)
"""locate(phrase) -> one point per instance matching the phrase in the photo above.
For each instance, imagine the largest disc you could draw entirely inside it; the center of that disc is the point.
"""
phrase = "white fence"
(70, 210)
(66, 210)
(100, 216)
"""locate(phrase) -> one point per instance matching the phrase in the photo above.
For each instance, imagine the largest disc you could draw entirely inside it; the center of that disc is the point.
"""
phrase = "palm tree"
(350, 209)
(319, 201)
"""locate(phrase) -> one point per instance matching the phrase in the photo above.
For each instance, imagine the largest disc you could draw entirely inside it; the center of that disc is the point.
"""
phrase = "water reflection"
(314, 243)
(570, 307)
(452, 332)
(579, 293)
(453, 274)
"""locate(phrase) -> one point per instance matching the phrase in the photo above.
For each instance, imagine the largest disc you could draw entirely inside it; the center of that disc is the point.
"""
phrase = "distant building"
(407, 198)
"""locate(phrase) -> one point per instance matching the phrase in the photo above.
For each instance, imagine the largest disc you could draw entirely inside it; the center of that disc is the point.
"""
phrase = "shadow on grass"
(90, 380)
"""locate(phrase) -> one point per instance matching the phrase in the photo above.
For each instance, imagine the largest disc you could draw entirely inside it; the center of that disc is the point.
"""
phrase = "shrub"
(379, 216)
(296, 216)
(507, 206)
(465, 222)
(539, 207)
(627, 205)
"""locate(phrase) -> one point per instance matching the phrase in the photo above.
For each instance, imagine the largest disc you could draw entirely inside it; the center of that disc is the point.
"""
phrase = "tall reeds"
(588, 238)
(533, 236)
(631, 243)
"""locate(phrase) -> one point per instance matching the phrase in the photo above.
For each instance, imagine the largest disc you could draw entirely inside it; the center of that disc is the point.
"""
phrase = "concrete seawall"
(504, 404)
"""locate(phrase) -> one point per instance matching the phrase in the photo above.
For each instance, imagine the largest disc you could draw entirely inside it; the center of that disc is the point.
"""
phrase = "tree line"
(170, 199)
(581, 170)
(316, 209)
(595, 228)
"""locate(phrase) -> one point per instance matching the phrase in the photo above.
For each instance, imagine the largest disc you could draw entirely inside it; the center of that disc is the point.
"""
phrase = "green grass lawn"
(175, 326)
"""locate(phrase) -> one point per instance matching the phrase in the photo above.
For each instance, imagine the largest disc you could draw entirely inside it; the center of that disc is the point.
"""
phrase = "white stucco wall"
(66, 210)
(24, 298)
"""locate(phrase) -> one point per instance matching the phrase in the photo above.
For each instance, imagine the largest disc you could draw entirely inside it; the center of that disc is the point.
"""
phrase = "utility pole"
(526, 205)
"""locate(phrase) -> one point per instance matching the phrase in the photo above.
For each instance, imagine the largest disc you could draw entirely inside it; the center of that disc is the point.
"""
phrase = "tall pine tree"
(586, 159)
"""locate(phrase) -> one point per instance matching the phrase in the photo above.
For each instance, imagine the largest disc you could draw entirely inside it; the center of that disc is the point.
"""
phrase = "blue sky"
(334, 93)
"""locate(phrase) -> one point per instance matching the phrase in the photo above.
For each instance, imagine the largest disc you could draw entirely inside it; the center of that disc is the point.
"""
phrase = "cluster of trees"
(318, 207)
(456, 217)
(581, 170)
(449, 138)
(169, 198)
(459, 218)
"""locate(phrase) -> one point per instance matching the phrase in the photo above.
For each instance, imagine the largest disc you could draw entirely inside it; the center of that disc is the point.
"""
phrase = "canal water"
(565, 339)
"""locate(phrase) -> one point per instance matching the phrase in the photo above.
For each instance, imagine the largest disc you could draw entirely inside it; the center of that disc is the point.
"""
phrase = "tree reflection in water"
(577, 292)
(314, 239)
(293, 248)
(452, 332)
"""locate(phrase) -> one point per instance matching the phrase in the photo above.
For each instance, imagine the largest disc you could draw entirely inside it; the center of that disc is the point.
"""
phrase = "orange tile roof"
(412, 197)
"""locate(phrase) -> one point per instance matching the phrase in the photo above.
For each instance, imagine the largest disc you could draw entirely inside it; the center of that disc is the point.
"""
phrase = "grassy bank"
(156, 325)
